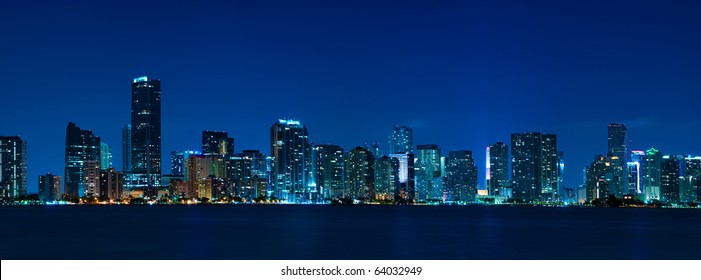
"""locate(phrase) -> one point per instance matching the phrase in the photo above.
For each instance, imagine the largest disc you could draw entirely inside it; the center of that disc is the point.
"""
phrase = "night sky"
(461, 74)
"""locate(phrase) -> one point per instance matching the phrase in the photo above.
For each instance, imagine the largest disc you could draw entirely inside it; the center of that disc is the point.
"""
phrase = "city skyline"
(461, 76)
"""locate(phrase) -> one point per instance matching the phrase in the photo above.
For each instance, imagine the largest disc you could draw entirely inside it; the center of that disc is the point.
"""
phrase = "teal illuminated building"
(291, 153)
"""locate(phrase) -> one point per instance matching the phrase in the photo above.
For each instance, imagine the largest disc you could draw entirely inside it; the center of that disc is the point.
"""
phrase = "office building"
(427, 170)
(386, 178)
(497, 174)
(217, 144)
(82, 146)
(406, 191)
(460, 180)
(534, 171)
(49, 187)
(401, 140)
(145, 133)
(360, 174)
(13, 167)
(291, 152)
(329, 166)
(652, 174)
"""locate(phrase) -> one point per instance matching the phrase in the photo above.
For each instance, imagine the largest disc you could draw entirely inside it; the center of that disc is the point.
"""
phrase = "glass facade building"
(534, 166)
(81, 146)
(13, 167)
(329, 170)
(145, 133)
(291, 153)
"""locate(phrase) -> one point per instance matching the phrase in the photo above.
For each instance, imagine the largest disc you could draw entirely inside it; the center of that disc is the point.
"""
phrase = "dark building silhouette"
(217, 144)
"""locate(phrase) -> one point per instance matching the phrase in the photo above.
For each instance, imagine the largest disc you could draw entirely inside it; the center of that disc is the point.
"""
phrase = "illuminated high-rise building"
(91, 178)
(145, 133)
(105, 156)
(217, 144)
(497, 167)
(401, 140)
(669, 179)
(177, 161)
(427, 170)
(534, 171)
(635, 172)
(329, 166)
(49, 187)
(360, 174)
(291, 153)
(406, 191)
(690, 182)
(375, 149)
(386, 178)
(81, 146)
(652, 174)
(460, 180)
(13, 167)
(598, 177)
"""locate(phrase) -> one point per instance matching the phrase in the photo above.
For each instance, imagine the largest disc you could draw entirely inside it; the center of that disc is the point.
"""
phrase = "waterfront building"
(82, 146)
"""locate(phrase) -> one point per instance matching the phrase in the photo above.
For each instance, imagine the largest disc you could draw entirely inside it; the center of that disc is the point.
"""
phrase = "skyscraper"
(329, 176)
(49, 187)
(126, 149)
(690, 182)
(291, 152)
(652, 174)
(91, 178)
(497, 167)
(428, 169)
(177, 161)
(669, 179)
(617, 140)
(105, 156)
(618, 157)
(635, 172)
(460, 180)
(406, 191)
(534, 171)
(360, 174)
(386, 178)
(13, 166)
(111, 184)
(598, 177)
(81, 146)
(146, 132)
(401, 140)
(217, 144)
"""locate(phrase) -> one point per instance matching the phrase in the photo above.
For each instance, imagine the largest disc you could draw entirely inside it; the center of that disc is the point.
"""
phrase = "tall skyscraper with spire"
(145, 133)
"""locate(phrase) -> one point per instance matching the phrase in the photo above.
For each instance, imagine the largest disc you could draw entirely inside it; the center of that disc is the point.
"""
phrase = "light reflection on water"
(347, 232)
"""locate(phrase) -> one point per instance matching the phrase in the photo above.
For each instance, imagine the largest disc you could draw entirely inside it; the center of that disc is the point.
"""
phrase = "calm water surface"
(347, 232)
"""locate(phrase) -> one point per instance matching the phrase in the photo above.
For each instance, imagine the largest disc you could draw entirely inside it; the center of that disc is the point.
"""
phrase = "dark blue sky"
(462, 74)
